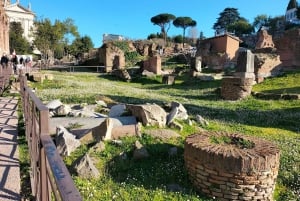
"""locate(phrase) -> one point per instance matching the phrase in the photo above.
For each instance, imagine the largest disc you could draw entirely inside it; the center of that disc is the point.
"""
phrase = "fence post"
(44, 130)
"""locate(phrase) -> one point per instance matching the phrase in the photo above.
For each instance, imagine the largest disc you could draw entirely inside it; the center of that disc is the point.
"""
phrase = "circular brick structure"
(232, 166)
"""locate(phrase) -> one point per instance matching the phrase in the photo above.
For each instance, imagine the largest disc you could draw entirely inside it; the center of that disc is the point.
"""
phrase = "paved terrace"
(9, 153)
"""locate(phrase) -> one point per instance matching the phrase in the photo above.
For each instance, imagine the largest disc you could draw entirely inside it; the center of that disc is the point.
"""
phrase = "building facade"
(291, 12)
(17, 13)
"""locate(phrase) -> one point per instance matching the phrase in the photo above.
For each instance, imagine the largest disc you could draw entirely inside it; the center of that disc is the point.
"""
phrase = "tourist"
(14, 61)
(21, 60)
(4, 61)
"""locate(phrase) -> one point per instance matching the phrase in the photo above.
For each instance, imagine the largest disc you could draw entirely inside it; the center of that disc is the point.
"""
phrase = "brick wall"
(226, 172)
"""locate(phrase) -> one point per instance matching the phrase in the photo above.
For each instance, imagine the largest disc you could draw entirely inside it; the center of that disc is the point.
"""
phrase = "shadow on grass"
(279, 118)
(292, 90)
(158, 171)
(134, 100)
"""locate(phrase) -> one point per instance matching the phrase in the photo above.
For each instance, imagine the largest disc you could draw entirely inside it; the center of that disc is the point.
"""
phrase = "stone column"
(240, 85)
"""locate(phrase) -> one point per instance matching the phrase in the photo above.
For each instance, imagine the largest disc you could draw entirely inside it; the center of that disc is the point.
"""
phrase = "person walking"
(14, 61)
(4, 61)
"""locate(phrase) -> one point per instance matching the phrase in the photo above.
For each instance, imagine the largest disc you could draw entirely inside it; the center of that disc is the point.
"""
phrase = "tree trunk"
(183, 37)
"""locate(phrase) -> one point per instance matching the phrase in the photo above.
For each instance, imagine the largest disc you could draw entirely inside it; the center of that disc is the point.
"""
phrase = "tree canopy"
(241, 27)
(184, 22)
(164, 21)
(260, 21)
(16, 41)
(81, 45)
(49, 38)
(227, 18)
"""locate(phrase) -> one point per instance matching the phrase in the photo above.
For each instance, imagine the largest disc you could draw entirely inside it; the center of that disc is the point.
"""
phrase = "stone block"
(245, 62)
(168, 79)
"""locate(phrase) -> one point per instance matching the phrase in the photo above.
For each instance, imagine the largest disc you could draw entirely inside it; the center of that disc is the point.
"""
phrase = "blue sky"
(131, 18)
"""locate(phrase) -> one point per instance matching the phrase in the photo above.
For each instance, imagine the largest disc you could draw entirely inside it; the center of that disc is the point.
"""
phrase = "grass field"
(274, 120)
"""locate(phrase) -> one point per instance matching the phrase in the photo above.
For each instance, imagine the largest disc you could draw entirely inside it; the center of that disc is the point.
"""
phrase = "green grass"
(274, 120)
(23, 157)
(288, 83)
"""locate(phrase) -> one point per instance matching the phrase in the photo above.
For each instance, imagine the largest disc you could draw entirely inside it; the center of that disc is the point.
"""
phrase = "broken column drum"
(237, 168)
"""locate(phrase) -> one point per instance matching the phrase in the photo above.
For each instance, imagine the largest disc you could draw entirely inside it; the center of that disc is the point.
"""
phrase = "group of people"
(16, 63)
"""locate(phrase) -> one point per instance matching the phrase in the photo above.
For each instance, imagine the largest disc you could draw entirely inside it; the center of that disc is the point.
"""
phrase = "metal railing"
(49, 175)
(99, 69)
(74, 68)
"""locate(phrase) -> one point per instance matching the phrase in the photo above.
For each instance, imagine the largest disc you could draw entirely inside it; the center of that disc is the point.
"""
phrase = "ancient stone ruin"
(4, 36)
(239, 86)
(264, 40)
(153, 64)
(267, 60)
(111, 57)
(232, 166)
(288, 47)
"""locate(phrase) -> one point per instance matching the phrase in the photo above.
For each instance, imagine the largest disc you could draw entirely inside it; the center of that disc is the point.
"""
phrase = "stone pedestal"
(236, 88)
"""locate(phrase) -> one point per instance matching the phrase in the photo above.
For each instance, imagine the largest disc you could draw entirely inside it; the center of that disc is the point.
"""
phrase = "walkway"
(9, 153)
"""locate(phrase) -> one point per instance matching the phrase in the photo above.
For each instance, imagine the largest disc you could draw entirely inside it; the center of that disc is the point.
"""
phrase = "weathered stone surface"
(168, 79)
(245, 62)
(149, 114)
(66, 142)
(234, 88)
(288, 47)
(103, 131)
(4, 36)
(264, 40)
(153, 64)
(148, 73)
(181, 111)
(126, 131)
(163, 134)
(172, 115)
(121, 74)
(117, 110)
(85, 168)
(201, 120)
(266, 65)
(111, 57)
(197, 64)
(54, 104)
(87, 123)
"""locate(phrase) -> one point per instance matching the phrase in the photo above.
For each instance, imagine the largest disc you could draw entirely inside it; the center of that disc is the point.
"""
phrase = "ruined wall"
(288, 47)
(111, 57)
(153, 64)
(216, 51)
(4, 31)
(266, 65)
(264, 40)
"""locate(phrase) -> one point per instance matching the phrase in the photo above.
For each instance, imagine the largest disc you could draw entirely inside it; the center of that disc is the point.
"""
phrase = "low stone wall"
(273, 96)
(236, 88)
(228, 172)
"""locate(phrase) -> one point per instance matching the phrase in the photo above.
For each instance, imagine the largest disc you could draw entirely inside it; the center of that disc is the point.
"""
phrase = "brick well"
(228, 172)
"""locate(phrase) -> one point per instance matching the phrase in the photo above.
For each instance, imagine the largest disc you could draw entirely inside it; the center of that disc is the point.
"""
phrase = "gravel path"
(9, 153)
